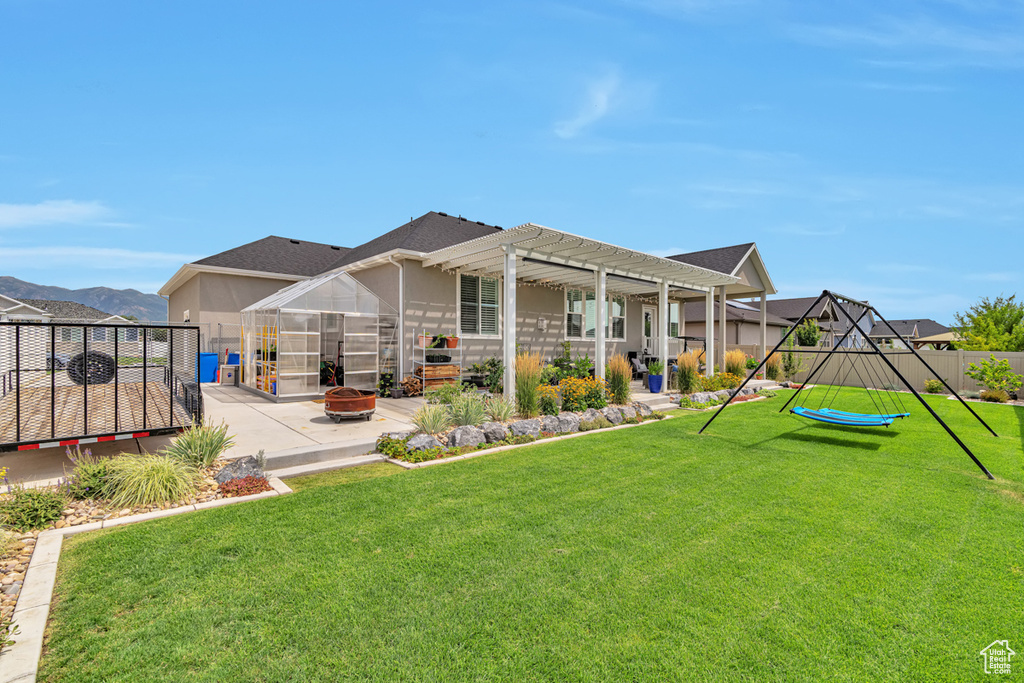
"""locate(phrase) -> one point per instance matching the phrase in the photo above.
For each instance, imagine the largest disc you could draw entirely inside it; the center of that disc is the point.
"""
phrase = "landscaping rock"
(522, 427)
(590, 415)
(549, 423)
(237, 469)
(399, 435)
(568, 423)
(494, 431)
(643, 410)
(422, 442)
(612, 414)
(628, 412)
(466, 436)
(722, 395)
(745, 391)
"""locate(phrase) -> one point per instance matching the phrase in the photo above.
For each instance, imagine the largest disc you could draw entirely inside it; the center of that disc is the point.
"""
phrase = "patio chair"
(639, 370)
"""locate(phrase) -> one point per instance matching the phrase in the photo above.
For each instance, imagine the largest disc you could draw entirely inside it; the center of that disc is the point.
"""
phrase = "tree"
(991, 325)
(808, 333)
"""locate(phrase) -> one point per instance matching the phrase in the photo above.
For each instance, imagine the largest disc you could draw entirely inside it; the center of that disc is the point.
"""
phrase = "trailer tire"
(92, 367)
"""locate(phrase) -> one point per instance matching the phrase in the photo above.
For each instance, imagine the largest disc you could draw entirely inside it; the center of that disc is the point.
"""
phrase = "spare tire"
(94, 367)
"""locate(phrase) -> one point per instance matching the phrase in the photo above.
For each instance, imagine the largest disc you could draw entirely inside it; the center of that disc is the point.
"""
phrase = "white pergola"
(537, 254)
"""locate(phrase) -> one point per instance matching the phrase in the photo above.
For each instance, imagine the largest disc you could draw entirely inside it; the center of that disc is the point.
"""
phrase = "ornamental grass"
(736, 362)
(528, 371)
(688, 375)
(147, 478)
(619, 374)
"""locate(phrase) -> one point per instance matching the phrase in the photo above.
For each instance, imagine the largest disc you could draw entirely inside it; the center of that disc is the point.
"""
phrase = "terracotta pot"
(425, 340)
(452, 342)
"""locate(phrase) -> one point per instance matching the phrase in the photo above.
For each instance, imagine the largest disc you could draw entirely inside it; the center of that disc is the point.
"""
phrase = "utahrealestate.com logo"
(997, 657)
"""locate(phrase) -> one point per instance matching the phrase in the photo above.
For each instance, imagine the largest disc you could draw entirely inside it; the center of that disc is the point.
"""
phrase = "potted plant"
(384, 384)
(425, 341)
(654, 376)
(453, 342)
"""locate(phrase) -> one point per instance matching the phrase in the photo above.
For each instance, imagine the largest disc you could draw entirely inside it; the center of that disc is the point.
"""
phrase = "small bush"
(688, 375)
(547, 399)
(520, 440)
(145, 479)
(89, 478)
(467, 409)
(432, 418)
(933, 386)
(424, 455)
(752, 363)
(656, 415)
(245, 486)
(619, 374)
(199, 445)
(499, 409)
(808, 333)
(767, 393)
(736, 362)
(446, 394)
(580, 394)
(597, 423)
(25, 509)
(528, 372)
(392, 447)
(995, 396)
(996, 375)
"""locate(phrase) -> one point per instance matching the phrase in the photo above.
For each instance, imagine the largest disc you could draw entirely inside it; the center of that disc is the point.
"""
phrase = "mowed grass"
(769, 548)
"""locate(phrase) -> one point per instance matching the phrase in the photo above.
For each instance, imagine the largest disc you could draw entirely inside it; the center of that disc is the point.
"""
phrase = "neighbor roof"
(792, 309)
(733, 313)
(278, 255)
(926, 327)
(68, 310)
(724, 259)
(430, 232)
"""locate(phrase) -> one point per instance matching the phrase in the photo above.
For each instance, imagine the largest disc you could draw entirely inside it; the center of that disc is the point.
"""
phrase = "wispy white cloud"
(904, 87)
(44, 258)
(601, 97)
(56, 212)
(687, 9)
(994, 277)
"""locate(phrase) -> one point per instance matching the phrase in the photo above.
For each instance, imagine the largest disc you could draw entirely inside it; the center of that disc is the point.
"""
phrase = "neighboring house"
(918, 332)
(448, 274)
(832, 323)
(12, 309)
(743, 323)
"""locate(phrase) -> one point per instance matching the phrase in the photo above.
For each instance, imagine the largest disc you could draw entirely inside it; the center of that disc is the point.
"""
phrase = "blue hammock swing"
(839, 417)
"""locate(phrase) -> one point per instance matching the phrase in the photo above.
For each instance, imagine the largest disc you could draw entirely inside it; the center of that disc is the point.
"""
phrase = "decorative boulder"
(399, 435)
(524, 427)
(701, 397)
(466, 436)
(568, 423)
(746, 391)
(642, 409)
(549, 423)
(723, 395)
(612, 414)
(237, 469)
(494, 431)
(422, 442)
(590, 415)
(628, 412)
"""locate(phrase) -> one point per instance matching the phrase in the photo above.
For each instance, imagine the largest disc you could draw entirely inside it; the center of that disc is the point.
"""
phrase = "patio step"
(305, 455)
(326, 466)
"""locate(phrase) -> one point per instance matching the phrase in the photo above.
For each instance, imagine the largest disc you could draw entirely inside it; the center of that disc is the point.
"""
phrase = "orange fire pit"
(345, 402)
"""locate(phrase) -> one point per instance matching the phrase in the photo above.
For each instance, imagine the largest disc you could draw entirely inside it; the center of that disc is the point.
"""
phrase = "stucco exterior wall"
(223, 296)
(184, 298)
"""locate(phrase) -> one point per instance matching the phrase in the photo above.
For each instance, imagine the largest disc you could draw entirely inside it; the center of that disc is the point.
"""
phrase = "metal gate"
(65, 384)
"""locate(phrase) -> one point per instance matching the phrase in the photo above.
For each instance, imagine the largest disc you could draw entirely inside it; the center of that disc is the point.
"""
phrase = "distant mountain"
(114, 301)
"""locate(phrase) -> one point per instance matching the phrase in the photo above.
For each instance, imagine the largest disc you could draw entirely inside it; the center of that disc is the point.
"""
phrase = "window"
(98, 334)
(478, 305)
(129, 334)
(71, 334)
(673, 319)
(581, 316)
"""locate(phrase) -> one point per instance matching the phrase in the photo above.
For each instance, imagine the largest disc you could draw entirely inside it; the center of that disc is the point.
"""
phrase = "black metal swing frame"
(834, 299)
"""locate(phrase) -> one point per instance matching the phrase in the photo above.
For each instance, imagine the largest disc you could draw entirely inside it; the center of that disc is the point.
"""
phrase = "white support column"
(709, 333)
(722, 328)
(682, 322)
(601, 310)
(663, 332)
(764, 325)
(509, 323)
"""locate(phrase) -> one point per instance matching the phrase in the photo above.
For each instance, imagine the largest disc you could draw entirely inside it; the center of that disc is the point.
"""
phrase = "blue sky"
(871, 148)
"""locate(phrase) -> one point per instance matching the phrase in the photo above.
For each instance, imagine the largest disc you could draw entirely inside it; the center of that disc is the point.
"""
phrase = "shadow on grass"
(825, 440)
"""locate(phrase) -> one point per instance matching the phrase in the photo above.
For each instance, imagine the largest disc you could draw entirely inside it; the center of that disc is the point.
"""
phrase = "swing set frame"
(873, 349)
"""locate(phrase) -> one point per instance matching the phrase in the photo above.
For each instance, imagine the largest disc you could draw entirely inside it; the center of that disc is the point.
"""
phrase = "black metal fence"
(74, 383)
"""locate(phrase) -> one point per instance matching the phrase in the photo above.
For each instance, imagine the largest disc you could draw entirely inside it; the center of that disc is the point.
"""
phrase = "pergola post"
(601, 310)
(682, 322)
(764, 324)
(509, 323)
(663, 332)
(709, 333)
(723, 330)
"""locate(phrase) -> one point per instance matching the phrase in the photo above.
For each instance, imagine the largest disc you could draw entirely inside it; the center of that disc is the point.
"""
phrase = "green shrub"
(656, 415)
(767, 393)
(933, 386)
(447, 393)
(392, 447)
(996, 375)
(146, 478)
(520, 440)
(995, 396)
(655, 367)
(619, 374)
(752, 363)
(24, 509)
(808, 333)
(199, 445)
(499, 409)
(597, 423)
(467, 409)
(547, 399)
(424, 455)
(432, 418)
(88, 478)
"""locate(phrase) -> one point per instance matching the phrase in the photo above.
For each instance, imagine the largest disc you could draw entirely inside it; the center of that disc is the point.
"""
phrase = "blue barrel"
(208, 367)
(234, 359)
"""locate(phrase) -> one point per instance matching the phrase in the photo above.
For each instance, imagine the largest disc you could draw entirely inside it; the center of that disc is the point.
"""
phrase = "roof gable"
(723, 259)
(68, 310)
(429, 232)
(278, 255)
(924, 327)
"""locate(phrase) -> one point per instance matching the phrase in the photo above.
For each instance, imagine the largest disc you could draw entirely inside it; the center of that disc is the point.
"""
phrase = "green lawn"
(770, 548)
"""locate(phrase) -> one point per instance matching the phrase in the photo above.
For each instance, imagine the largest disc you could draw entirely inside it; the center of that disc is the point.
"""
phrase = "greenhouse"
(329, 327)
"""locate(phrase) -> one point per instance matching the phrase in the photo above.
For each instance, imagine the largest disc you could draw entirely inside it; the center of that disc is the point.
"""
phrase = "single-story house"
(832, 323)
(529, 286)
(911, 330)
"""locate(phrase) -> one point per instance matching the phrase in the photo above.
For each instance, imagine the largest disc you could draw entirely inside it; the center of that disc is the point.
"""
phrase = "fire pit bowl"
(345, 402)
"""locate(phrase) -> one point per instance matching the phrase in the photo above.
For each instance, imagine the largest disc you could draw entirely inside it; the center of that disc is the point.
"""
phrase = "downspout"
(401, 317)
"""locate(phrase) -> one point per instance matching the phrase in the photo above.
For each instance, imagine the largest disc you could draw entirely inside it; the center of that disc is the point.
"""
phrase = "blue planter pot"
(654, 383)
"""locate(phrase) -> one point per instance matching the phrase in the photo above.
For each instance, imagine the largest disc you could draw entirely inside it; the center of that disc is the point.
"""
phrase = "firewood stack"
(412, 386)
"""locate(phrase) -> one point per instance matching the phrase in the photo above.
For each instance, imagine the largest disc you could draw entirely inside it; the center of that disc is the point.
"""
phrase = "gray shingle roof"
(429, 232)
(926, 327)
(67, 310)
(695, 313)
(723, 260)
(278, 255)
(792, 309)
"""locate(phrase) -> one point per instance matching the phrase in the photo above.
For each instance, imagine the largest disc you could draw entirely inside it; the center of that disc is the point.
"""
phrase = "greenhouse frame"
(333, 317)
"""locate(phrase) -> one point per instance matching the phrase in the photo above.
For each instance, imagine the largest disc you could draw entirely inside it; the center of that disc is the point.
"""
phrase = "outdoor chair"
(639, 370)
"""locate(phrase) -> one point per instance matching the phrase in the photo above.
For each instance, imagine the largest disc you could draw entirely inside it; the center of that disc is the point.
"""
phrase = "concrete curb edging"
(21, 660)
(509, 447)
